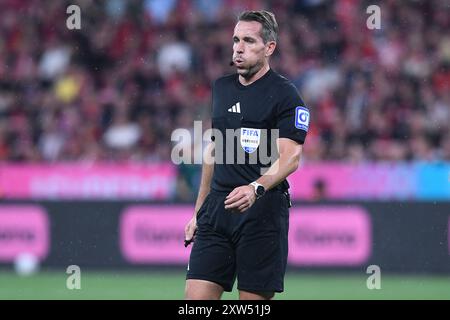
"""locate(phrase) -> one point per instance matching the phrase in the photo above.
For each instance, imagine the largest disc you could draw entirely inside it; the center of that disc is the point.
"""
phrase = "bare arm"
(243, 197)
(207, 173)
(290, 154)
(205, 187)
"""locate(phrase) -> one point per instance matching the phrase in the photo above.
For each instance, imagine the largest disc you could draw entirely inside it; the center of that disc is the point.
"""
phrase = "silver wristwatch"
(259, 189)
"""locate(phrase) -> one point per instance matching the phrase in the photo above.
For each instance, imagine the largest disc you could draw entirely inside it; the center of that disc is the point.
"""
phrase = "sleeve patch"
(302, 118)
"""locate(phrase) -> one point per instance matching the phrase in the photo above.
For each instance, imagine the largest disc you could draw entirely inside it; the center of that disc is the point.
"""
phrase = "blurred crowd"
(136, 70)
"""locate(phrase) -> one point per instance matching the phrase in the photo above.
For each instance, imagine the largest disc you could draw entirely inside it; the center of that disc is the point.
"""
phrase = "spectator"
(117, 88)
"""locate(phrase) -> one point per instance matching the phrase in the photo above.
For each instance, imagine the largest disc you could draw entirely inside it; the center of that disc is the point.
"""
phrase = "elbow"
(295, 161)
(292, 156)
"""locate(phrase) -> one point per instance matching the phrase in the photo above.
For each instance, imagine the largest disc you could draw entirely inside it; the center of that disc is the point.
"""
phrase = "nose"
(239, 47)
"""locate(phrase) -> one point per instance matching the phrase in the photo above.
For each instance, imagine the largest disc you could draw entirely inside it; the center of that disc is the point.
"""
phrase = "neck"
(255, 77)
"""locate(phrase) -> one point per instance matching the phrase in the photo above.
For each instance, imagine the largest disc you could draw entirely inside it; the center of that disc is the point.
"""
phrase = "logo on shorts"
(302, 118)
(250, 139)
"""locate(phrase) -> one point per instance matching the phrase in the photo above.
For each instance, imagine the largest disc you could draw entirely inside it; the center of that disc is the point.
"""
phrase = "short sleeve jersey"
(246, 122)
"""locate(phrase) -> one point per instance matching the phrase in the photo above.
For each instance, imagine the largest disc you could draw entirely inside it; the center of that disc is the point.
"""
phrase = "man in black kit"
(241, 219)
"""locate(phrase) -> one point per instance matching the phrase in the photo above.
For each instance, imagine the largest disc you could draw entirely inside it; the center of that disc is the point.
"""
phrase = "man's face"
(249, 50)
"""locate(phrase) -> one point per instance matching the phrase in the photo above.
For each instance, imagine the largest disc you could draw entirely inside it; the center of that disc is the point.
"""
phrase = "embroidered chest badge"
(250, 139)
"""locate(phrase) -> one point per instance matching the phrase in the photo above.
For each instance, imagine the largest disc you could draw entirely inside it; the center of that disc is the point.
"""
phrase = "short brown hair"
(269, 31)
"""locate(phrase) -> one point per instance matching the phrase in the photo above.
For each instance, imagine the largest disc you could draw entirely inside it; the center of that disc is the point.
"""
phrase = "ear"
(270, 48)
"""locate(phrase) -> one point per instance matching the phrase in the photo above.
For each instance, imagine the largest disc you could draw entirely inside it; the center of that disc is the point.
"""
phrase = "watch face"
(260, 190)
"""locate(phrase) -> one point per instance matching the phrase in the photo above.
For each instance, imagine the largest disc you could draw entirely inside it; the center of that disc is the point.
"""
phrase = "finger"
(243, 207)
(235, 204)
(190, 240)
(238, 203)
(190, 233)
(234, 199)
(232, 193)
(243, 210)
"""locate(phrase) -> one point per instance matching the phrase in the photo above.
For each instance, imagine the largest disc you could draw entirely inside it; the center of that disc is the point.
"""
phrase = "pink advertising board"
(23, 229)
(339, 235)
(80, 180)
(355, 181)
(155, 234)
(318, 235)
(83, 181)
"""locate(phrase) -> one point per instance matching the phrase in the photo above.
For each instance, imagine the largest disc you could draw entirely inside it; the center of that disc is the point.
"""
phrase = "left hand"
(240, 199)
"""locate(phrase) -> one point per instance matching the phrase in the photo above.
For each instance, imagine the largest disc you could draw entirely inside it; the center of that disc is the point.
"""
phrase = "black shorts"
(252, 245)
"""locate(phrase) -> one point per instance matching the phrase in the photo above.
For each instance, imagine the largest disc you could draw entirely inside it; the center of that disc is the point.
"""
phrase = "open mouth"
(238, 62)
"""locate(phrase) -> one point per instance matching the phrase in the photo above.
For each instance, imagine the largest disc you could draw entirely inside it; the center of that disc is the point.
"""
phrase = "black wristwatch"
(259, 189)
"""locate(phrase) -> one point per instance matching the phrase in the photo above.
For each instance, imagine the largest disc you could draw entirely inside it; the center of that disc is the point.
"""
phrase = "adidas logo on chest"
(236, 108)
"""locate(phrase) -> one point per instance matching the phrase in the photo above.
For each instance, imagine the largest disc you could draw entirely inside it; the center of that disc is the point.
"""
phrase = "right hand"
(190, 228)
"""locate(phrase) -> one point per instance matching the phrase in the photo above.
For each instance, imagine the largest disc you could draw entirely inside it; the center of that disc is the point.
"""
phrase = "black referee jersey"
(251, 112)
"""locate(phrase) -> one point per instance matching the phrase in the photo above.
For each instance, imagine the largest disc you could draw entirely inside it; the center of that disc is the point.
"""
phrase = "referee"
(241, 220)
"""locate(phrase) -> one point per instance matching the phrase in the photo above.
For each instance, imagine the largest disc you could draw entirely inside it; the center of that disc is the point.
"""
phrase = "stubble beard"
(252, 70)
